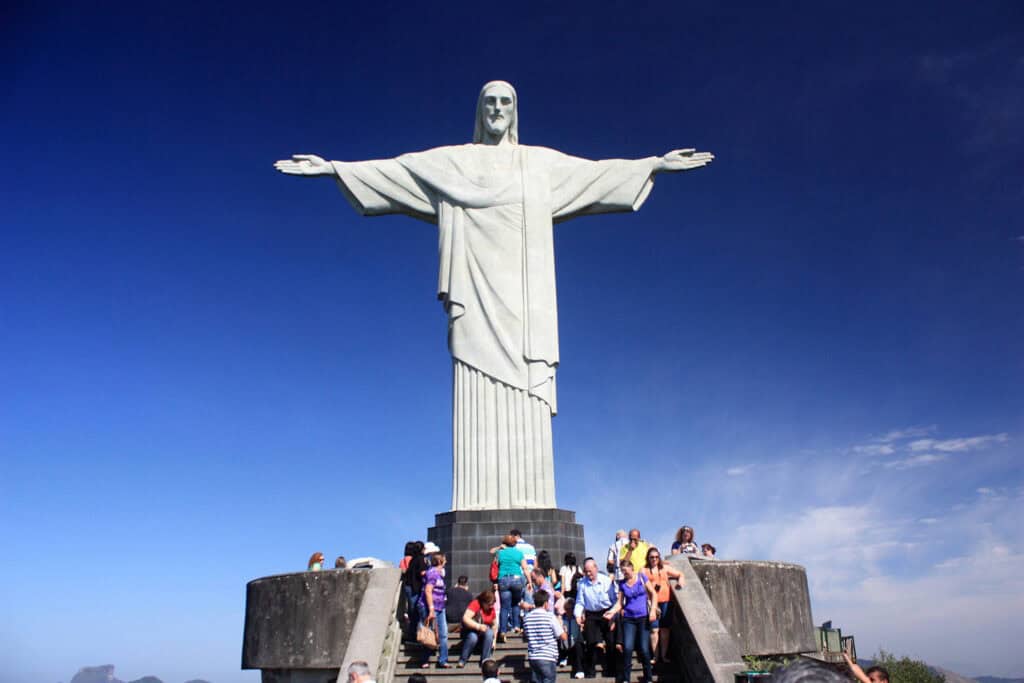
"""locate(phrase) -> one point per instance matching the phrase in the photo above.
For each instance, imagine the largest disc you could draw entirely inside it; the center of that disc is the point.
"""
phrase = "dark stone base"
(466, 536)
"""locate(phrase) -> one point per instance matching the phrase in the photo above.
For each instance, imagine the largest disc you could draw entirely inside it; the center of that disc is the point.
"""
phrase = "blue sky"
(810, 351)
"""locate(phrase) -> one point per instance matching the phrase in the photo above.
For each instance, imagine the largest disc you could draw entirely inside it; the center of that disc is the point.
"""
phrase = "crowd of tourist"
(574, 615)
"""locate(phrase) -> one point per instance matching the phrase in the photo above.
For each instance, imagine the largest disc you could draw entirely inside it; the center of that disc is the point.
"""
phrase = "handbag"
(426, 637)
(494, 571)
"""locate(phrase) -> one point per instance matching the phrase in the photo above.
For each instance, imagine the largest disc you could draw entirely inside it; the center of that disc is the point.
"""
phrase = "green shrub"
(907, 670)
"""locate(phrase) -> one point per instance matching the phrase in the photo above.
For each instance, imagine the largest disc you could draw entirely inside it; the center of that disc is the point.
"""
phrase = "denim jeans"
(442, 633)
(510, 589)
(636, 635)
(412, 612)
(543, 671)
(470, 639)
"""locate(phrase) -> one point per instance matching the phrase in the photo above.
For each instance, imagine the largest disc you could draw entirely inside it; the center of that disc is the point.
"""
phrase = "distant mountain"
(96, 674)
(996, 679)
(105, 674)
(951, 676)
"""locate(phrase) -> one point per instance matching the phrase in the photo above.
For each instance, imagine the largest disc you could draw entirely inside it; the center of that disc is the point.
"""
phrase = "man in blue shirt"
(595, 595)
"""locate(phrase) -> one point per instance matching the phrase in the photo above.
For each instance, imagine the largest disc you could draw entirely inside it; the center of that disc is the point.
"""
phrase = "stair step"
(511, 655)
(505, 676)
(475, 678)
(473, 667)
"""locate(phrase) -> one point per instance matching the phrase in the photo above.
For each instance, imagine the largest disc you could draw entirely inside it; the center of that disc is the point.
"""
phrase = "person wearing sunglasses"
(659, 575)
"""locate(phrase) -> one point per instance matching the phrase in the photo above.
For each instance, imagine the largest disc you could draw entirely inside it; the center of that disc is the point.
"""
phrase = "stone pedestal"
(465, 536)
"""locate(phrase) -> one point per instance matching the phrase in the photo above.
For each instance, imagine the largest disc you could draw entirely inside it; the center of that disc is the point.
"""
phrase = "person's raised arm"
(855, 669)
(682, 160)
(305, 164)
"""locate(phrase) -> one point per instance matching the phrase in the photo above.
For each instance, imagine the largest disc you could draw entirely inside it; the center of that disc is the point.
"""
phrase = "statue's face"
(499, 107)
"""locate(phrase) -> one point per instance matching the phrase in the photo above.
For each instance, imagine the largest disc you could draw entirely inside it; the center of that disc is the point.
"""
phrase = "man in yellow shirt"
(635, 550)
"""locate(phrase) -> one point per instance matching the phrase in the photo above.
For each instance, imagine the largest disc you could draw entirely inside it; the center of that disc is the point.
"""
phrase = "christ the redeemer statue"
(494, 202)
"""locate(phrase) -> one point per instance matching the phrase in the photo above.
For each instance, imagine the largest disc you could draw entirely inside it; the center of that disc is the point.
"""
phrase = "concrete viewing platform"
(307, 627)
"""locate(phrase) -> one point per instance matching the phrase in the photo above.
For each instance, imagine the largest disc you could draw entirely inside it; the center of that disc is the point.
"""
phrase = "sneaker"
(578, 674)
(563, 662)
(460, 665)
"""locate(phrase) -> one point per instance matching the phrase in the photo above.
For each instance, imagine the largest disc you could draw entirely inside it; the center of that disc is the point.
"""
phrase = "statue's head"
(497, 114)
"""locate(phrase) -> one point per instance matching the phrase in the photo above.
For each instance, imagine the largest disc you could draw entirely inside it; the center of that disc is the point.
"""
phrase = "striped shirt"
(543, 629)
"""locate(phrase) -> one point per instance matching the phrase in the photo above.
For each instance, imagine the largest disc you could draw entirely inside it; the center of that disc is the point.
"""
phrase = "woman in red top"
(478, 624)
(659, 575)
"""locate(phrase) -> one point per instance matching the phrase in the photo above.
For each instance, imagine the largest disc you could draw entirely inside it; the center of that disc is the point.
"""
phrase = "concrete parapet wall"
(702, 647)
(766, 606)
(312, 620)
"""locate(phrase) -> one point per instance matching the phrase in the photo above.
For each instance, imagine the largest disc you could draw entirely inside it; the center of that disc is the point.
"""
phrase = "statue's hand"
(684, 160)
(304, 164)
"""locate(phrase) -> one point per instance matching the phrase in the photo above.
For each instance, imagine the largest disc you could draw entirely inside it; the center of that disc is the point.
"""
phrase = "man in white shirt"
(614, 553)
(359, 672)
(527, 549)
(489, 671)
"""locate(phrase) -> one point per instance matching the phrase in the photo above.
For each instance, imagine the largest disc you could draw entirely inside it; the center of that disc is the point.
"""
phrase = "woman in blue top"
(512, 571)
(635, 591)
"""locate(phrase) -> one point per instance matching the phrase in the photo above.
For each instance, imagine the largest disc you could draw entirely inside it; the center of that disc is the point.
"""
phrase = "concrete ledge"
(375, 617)
(766, 606)
(312, 620)
(701, 644)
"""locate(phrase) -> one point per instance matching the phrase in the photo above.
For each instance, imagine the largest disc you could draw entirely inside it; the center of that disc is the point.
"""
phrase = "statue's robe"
(494, 207)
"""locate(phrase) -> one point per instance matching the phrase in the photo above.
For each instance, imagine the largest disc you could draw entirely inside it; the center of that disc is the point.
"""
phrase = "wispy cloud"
(893, 579)
(958, 445)
(922, 451)
(874, 449)
(908, 433)
(739, 470)
(986, 83)
(915, 461)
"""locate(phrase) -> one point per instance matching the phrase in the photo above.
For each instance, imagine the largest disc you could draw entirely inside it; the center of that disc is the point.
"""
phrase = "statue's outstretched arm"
(305, 164)
(683, 160)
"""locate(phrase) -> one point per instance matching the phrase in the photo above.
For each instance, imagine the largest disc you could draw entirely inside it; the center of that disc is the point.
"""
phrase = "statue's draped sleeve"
(581, 187)
(385, 186)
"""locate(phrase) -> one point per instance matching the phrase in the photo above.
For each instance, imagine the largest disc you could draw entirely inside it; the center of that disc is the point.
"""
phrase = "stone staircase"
(511, 655)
